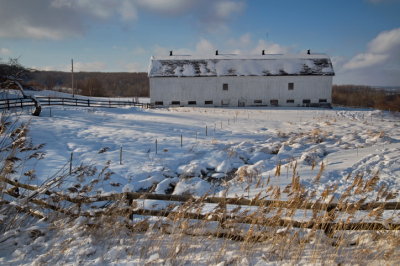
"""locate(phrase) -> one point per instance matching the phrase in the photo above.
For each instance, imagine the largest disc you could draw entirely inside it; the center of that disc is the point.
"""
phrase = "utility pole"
(72, 76)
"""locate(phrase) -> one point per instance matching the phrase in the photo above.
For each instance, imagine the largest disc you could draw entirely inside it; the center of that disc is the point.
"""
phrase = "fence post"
(156, 146)
(120, 156)
(21, 102)
(109, 103)
(48, 99)
(70, 163)
(88, 102)
(206, 131)
(8, 104)
(76, 102)
(181, 141)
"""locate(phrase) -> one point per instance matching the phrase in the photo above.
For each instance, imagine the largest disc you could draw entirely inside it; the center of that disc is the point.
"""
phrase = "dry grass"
(306, 228)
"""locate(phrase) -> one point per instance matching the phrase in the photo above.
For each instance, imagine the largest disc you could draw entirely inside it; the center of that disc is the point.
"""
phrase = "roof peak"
(241, 56)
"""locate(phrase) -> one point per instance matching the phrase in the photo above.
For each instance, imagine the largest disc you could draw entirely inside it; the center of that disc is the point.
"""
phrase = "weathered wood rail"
(128, 210)
(16, 103)
(90, 102)
(13, 103)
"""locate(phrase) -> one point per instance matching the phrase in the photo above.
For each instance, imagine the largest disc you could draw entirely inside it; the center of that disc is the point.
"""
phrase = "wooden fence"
(16, 103)
(77, 102)
(47, 101)
(221, 216)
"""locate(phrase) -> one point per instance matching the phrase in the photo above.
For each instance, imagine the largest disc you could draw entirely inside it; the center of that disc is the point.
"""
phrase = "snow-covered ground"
(218, 142)
(219, 151)
(4, 94)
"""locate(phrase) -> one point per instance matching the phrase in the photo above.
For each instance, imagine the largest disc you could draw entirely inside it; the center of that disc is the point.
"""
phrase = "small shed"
(238, 80)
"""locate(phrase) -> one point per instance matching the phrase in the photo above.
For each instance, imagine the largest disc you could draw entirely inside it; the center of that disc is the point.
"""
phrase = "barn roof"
(238, 65)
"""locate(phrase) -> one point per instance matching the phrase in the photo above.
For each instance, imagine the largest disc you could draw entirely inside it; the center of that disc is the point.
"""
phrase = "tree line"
(101, 84)
(365, 96)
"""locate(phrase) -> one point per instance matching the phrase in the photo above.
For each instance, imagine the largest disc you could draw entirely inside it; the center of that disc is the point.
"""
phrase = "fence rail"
(64, 101)
(16, 103)
(328, 226)
(47, 101)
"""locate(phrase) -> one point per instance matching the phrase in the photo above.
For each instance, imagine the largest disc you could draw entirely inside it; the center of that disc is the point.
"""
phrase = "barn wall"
(244, 90)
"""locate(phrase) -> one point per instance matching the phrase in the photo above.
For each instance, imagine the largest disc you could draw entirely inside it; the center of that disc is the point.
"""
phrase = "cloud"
(225, 9)
(170, 7)
(270, 48)
(243, 45)
(246, 45)
(60, 19)
(103, 9)
(37, 20)
(378, 65)
(387, 41)
(365, 60)
(382, 49)
(95, 66)
(5, 51)
(216, 17)
(139, 51)
(134, 67)
(204, 47)
(89, 66)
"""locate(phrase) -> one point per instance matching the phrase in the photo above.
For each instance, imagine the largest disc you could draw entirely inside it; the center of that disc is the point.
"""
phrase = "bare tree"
(11, 77)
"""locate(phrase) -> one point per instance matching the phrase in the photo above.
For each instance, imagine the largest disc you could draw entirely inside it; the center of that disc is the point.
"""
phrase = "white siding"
(243, 88)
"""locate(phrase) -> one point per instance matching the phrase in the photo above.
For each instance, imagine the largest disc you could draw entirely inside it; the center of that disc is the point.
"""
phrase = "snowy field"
(233, 152)
(216, 143)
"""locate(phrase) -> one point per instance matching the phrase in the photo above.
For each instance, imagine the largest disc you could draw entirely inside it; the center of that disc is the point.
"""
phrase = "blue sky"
(361, 36)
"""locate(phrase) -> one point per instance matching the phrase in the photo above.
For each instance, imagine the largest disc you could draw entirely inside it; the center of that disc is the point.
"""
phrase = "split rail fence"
(63, 101)
(221, 216)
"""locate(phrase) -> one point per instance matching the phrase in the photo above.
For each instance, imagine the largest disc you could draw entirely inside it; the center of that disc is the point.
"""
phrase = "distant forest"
(101, 84)
(366, 96)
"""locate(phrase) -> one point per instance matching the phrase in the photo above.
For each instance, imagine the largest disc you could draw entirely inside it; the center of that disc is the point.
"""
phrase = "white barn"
(237, 80)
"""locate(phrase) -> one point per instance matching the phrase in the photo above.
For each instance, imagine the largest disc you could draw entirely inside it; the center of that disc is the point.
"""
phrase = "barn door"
(241, 102)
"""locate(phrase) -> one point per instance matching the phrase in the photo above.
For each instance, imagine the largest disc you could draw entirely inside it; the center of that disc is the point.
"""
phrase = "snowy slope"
(250, 141)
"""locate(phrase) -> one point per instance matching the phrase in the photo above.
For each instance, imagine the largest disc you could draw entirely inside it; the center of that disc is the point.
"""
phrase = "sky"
(362, 37)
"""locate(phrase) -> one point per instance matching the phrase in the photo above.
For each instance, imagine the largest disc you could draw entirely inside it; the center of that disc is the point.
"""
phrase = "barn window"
(192, 102)
(290, 101)
(208, 102)
(306, 101)
(323, 100)
(274, 102)
(176, 102)
(257, 101)
(225, 86)
(159, 103)
(290, 86)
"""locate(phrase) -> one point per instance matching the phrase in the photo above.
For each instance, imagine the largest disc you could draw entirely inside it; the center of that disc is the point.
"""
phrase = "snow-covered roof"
(239, 65)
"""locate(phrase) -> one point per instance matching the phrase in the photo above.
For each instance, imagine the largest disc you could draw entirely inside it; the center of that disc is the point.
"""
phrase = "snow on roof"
(239, 65)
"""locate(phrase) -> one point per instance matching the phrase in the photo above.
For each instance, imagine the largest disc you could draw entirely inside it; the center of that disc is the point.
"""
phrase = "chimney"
(263, 52)
(216, 52)
(170, 53)
(308, 51)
